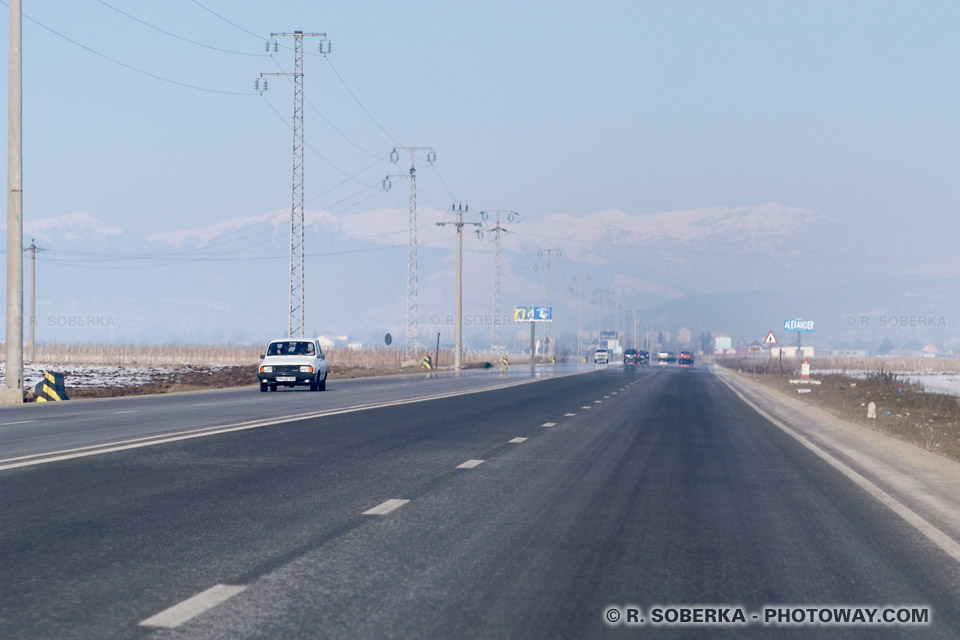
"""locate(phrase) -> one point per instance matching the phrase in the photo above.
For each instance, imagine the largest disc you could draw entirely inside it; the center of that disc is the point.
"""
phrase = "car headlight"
(306, 369)
(266, 369)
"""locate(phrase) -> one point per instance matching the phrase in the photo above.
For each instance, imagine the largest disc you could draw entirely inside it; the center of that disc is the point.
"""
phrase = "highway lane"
(40, 428)
(651, 487)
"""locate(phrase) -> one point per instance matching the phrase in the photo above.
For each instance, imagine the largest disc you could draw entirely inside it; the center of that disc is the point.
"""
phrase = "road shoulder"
(923, 482)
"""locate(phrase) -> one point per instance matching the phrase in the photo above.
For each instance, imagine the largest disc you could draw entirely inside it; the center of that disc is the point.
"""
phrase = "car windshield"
(291, 348)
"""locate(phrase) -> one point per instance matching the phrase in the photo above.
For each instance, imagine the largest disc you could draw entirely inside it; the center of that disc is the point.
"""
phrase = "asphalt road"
(651, 487)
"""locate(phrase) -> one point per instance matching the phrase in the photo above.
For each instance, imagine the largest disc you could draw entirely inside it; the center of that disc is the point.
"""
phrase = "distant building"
(929, 351)
(684, 336)
(721, 344)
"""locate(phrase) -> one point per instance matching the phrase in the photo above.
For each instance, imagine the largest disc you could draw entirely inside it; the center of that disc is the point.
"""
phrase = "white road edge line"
(385, 507)
(147, 441)
(7, 424)
(192, 607)
(127, 411)
(939, 538)
(518, 440)
(549, 424)
(470, 464)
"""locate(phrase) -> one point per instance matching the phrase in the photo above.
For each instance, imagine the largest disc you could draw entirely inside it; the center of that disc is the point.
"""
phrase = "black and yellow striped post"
(427, 363)
(504, 361)
(51, 388)
(553, 359)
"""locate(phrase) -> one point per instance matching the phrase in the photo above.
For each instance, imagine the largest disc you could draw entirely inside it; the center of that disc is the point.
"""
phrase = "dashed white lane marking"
(470, 464)
(586, 407)
(192, 607)
(518, 440)
(614, 393)
(549, 424)
(597, 401)
(569, 415)
(7, 424)
(386, 507)
(127, 411)
(607, 397)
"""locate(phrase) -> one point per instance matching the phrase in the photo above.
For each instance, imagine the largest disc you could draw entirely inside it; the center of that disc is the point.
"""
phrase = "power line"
(232, 24)
(128, 66)
(360, 104)
(178, 37)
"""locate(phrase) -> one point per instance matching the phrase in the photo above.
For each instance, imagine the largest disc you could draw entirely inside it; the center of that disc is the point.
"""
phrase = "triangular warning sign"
(770, 339)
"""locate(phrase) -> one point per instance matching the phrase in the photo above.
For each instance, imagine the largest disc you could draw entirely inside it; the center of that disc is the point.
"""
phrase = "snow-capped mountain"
(228, 281)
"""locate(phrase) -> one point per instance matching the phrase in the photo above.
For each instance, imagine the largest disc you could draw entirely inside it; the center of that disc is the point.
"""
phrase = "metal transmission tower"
(581, 278)
(295, 324)
(598, 296)
(546, 330)
(619, 311)
(459, 224)
(411, 345)
(512, 216)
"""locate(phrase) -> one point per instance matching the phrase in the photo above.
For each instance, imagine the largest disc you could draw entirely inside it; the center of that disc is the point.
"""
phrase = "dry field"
(904, 409)
(107, 370)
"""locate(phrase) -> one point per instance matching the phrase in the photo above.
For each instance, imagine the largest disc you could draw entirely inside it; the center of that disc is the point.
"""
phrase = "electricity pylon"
(295, 323)
(512, 216)
(598, 295)
(411, 344)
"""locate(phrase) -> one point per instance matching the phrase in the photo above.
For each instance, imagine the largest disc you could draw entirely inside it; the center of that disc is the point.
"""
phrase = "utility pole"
(619, 313)
(13, 377)
(33, 248)
(512, 216)
(459, 224)
(549, 351)
(295, 322)
(598, 295)
(581, 278)
(411, 344)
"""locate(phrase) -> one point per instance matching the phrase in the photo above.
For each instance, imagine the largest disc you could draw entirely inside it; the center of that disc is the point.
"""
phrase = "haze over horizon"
(725, 165)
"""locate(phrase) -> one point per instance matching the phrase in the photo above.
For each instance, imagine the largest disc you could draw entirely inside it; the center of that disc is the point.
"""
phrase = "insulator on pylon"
(431, 156)
(394, 156)
(325, 46)
(387, 184)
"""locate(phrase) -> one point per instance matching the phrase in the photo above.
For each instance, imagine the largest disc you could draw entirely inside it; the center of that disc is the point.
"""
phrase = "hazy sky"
(849, 108)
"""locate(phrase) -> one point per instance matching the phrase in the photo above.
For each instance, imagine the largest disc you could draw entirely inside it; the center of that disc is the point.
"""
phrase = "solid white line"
(192, 607)
(939, 538)
(127, 411)
(386, 507)
(470, 464)
(569, 415)
(549, 424)
(175, 436)
(7, 424)
(518, 440)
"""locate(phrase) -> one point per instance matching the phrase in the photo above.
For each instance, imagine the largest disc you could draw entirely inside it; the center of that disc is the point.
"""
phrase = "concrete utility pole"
(512, 216)
(13, 377)
(581, 278)
(598, 295)
(548, 343)
(619, 312)
(459, 224)
(411, 337)
(33, 248)
(295, 323)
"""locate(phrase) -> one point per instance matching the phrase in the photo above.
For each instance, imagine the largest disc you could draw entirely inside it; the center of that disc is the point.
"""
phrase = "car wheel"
(263, 387)
(273, 387)
(323, 383)
(314, 385)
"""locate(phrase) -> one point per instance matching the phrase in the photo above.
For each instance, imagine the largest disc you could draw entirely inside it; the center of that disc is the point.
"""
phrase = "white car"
(600, 356)
(293, 361)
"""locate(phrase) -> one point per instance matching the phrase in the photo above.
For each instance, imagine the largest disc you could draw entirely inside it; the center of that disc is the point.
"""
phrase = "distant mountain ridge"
(228, 280)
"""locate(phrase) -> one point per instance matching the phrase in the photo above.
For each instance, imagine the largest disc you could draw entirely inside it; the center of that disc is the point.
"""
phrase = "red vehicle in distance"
(685, 359)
